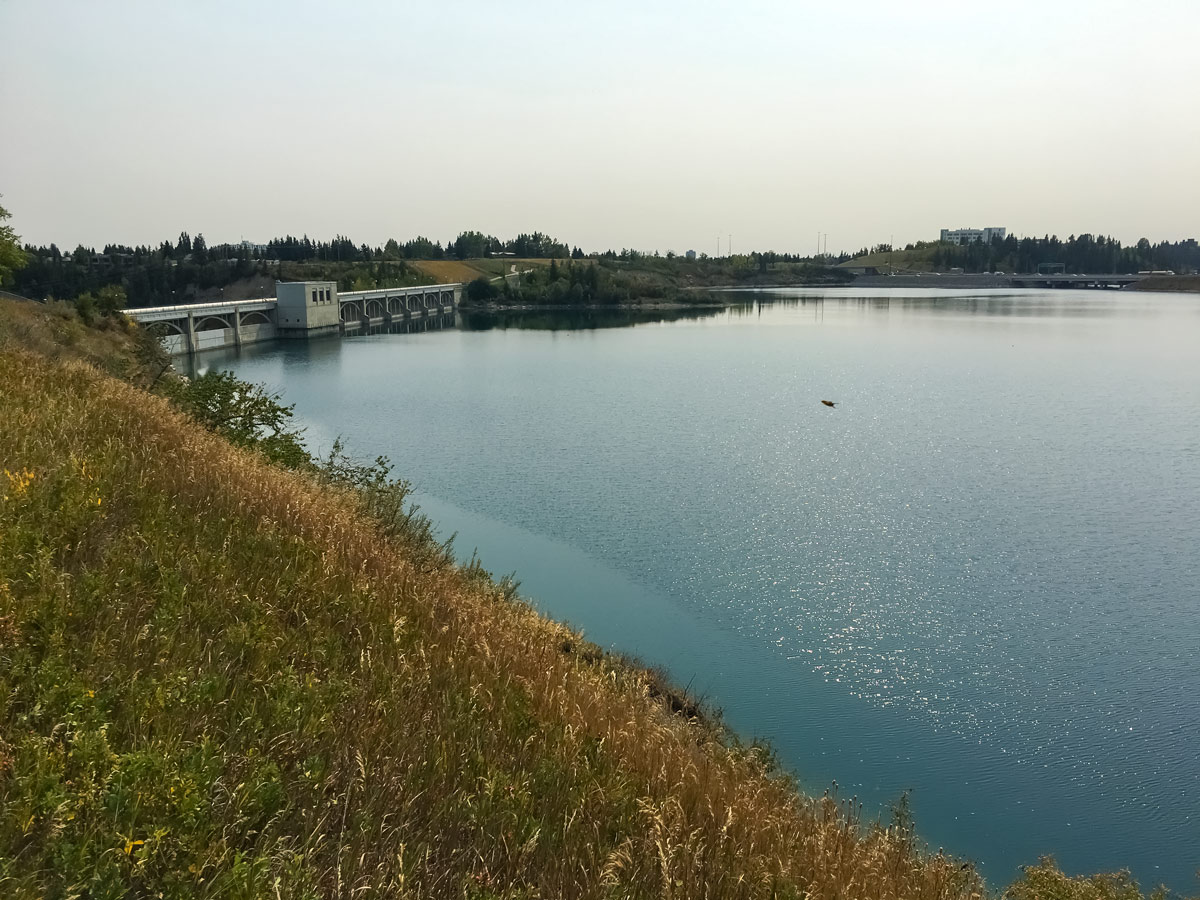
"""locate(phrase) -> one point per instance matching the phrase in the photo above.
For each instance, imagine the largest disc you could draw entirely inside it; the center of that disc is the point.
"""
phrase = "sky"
(660, 126)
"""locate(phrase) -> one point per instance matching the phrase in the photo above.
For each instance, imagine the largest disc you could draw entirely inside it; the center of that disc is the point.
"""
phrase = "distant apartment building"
(691, 254)
(971, 235)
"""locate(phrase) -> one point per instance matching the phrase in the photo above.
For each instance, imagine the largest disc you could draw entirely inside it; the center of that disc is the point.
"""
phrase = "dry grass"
(449, 271)
(919, 259)
(54, 331)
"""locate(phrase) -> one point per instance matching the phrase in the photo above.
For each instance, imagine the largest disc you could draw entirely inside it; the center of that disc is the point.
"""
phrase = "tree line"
(1083, 254)
(1079, 254)
(173, 271)
(148, 276)
(612, 280)
(572, 284)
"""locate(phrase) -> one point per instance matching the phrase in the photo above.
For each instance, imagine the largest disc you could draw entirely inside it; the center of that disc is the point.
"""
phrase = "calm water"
(976, 579)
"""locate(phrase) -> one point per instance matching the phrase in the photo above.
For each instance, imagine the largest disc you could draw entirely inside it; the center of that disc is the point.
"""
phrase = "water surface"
(976, 578)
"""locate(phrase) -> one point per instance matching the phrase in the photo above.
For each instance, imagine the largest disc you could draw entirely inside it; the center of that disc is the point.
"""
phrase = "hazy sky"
(657, 126)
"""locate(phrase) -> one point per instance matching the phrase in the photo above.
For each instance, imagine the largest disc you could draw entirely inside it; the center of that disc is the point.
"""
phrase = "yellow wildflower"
(18, 481)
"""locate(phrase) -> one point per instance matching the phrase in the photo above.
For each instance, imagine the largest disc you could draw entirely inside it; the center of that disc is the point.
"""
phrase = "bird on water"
(829, 403)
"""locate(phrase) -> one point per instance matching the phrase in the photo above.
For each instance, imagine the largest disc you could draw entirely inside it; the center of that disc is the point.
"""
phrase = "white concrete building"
(307, 307)
(970, 235)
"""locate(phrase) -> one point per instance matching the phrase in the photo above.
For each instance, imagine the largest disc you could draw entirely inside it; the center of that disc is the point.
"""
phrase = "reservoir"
(975, 579)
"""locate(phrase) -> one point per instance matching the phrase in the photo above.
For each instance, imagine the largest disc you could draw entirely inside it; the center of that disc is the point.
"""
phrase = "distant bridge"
(298, 310)
(1073, 281)
(982, 280)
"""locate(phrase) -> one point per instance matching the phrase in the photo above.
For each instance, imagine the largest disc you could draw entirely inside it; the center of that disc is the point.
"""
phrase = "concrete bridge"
(300, 309)
(1074, 281)
(384, 306)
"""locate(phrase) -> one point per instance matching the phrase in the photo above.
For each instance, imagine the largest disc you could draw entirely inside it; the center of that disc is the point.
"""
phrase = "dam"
(299, 309)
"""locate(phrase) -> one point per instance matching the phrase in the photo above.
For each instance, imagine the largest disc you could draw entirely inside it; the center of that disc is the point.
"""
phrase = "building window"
(314, 293)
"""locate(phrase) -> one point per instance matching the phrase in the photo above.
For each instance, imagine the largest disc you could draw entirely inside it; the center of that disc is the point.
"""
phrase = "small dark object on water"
(829, 403)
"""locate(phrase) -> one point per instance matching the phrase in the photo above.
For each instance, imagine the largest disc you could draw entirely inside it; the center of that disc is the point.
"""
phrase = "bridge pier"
(191, 333)
(237, 327)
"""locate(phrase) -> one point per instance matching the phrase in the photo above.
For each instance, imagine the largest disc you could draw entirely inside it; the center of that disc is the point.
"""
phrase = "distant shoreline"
(1183, 284)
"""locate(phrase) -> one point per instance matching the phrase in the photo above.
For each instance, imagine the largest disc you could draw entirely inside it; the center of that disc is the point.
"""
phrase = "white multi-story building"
(970, 235)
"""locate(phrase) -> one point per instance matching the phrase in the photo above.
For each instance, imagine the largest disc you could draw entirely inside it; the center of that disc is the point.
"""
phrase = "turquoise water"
(976, 578)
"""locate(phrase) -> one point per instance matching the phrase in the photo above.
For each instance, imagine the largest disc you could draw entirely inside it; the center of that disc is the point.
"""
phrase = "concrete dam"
(299, 309)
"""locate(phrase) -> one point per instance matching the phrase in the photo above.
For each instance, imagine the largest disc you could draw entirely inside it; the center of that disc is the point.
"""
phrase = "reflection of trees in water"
(1017, 303)
(578, 319)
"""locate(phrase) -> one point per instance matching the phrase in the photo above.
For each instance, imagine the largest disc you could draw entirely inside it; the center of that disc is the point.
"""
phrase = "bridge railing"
(381, 293)
(185, 308)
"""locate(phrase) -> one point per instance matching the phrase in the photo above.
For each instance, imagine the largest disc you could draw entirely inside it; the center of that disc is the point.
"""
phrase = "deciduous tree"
(12, 257)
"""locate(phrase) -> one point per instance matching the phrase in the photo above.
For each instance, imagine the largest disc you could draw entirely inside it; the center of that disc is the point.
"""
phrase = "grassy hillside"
(54, 331)
(918, 259)
(449, 271)
(219, 678)
(355, 276)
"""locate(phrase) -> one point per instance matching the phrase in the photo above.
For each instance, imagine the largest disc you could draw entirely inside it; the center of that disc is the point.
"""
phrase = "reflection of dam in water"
(413, 326)
(303, 352)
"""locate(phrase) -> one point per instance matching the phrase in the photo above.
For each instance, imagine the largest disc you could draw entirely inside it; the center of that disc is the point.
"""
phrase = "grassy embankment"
(219, 678)
(901, 261)
(1173, 283)
(731, 271)
(453, 271)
